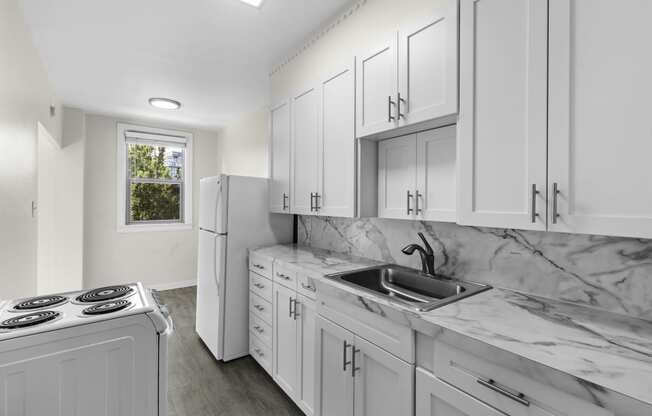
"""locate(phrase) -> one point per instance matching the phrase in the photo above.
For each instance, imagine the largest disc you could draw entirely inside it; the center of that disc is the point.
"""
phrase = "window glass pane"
(155, 202)
(156, 162)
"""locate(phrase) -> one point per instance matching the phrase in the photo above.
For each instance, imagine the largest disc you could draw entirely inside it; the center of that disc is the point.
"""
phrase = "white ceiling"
(111, 56)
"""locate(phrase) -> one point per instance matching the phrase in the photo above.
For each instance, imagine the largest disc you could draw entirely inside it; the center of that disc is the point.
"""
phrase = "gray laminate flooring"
(201, 386)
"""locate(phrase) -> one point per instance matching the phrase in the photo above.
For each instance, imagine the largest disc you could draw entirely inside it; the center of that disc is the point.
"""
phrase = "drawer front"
(261, 329)
(285, 276)
(261, 353)
(261, 265)
(505, 389)
(260, 307)
(260, 286)
(306, 286)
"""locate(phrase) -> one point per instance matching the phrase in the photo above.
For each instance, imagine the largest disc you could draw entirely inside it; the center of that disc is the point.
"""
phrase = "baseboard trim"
(173, 285)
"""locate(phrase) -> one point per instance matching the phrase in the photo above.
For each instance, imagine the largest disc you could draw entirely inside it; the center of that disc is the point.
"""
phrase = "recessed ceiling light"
(165, 103)
(255, 3)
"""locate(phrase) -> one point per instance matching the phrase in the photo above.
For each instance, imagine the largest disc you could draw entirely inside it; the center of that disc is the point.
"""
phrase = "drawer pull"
(308, 287)
(258, 266)
(259, 285)
(259, 329)
(259, 308)
(283, 276)
(259, 352)
(491, 384)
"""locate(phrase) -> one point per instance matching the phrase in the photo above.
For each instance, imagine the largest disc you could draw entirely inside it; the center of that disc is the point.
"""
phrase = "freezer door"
(210, 278)
(213, 204)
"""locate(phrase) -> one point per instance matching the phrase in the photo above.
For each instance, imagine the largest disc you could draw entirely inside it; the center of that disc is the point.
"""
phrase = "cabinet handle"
(417, 195)
(535, 214)
(409, 197)
(283, 276)
(290, 307)
(259, 329)
(490, 384)
(312, 206)
(294, 308)
(308, 287)
(259, 285)
(344, 361)
(353, 367)
(259, 352)
(390, 118)
(555, 209)
(398, 103)
(317, 197)
(259, 308)
(285, 198)
(258, 266)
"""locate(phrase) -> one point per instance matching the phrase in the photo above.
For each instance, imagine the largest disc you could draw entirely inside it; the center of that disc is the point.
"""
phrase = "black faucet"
(427, 255)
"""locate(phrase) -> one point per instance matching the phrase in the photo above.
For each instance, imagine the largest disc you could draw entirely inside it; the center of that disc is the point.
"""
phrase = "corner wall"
(243, 147)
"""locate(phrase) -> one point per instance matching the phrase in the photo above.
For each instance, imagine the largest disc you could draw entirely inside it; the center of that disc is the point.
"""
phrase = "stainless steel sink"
(417, 290)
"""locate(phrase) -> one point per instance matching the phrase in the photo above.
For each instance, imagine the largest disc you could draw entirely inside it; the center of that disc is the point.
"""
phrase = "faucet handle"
(425, 243)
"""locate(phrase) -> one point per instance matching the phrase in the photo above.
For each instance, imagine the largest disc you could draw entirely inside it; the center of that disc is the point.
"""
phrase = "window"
(154, 179)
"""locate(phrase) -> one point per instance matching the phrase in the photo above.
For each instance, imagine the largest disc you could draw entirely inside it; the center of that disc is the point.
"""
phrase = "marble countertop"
(606, 349)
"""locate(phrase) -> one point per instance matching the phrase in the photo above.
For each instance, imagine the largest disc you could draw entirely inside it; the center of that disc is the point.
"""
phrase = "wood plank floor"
(201, 386)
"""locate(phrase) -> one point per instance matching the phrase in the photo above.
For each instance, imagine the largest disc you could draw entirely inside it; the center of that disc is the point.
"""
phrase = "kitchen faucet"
(427, 255)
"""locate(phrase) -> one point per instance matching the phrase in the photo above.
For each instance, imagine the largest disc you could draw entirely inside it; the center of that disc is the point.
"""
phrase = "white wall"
(243, 145)
(158, 259)
(25, 98)
(61, 207)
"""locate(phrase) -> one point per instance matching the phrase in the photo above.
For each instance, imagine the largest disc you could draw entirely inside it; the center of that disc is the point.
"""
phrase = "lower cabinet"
(355, 377)
(294, 345)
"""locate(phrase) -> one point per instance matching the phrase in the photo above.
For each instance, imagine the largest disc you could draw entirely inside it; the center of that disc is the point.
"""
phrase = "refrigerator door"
(213, 194)
(210, 280)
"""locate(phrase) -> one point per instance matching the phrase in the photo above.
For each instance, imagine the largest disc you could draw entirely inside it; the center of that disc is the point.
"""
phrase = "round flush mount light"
(165, 103)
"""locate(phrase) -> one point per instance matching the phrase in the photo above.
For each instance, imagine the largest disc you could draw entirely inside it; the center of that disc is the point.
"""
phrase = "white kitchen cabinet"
(428, 71)
(334, 384)
(417, 176)
(384, 384)
(436, 398)
(284, 350)
(305, 150)
(355, 377)
(502, 121)
(336, 169)
(306, 326)
(279, 192)
(600, 139)
(412, 76)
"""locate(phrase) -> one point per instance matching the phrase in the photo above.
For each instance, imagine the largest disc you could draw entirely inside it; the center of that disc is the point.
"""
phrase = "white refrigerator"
(233, 217)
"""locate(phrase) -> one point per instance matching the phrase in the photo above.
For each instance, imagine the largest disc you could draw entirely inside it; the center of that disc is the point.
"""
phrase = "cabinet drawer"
(261, 353)
(260, 307)
(261, 265)
(306, 286)
(260, 286)
(507, 390)
(285, 276)
(260, 329)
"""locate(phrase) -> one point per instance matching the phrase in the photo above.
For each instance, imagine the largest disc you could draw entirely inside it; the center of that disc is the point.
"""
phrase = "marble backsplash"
(610, 273)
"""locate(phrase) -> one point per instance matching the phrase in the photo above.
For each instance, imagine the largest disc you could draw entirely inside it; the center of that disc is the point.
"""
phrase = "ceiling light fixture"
(165, 103)
(255, 3)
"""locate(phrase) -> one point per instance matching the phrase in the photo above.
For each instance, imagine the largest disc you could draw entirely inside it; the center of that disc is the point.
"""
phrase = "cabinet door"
(428, 66)
(334, 384)
(436, 398)
(397, 177)
(376, 88)
(384, 384)
(436, 195)
(600, 138)
(285, 340)
(306, 326)
(502, 123)
(305, 142)
(279, 193)
(337, 143)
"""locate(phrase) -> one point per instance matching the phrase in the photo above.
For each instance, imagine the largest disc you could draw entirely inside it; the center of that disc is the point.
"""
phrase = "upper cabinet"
(502, 120)
(279, 190)
(412, 76)
(305, 151)
(600, 139)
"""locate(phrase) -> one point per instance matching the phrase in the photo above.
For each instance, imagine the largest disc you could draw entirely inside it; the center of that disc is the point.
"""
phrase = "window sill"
(136, 228)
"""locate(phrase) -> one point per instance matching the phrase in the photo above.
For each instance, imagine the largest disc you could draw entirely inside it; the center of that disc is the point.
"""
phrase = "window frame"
(123, 195)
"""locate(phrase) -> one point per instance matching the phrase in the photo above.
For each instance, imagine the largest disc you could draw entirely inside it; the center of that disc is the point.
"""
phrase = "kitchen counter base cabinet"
(357, 378)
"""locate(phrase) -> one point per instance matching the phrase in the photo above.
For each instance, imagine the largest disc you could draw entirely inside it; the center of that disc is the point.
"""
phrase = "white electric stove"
(96, 352)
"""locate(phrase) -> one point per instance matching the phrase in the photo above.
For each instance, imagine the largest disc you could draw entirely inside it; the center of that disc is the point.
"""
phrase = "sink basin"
(417, 290)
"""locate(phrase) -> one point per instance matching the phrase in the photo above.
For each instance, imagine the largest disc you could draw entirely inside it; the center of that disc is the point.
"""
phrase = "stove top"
(28, 316)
